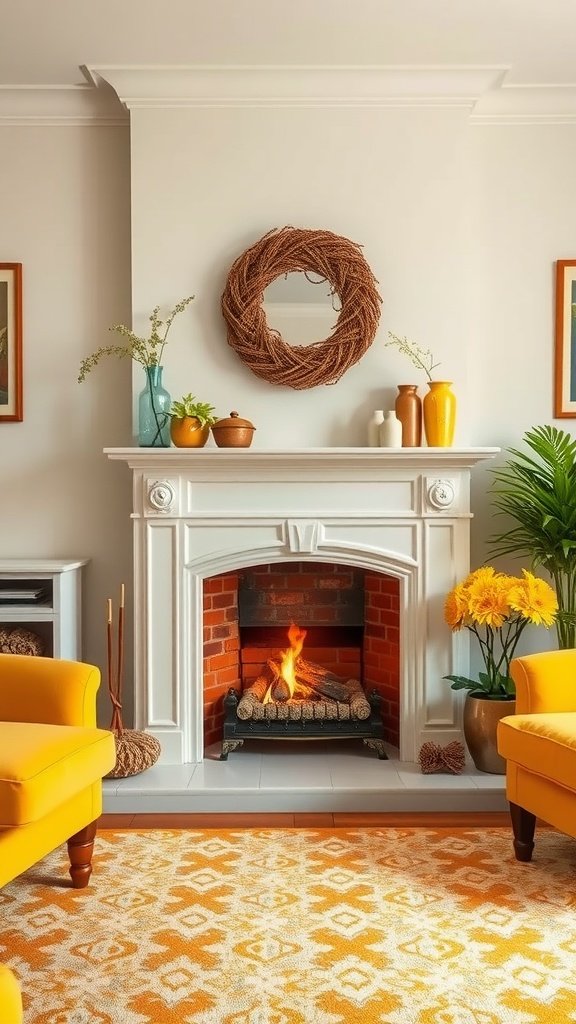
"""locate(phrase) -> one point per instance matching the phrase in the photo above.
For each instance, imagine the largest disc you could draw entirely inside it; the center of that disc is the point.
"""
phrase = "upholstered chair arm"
(545, 682)
(10, 997)
(47, 690)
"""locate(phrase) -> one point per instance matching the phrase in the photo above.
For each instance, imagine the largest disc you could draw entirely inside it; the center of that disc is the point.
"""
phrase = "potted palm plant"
(536, 490)
(190, 422)
(495, 608)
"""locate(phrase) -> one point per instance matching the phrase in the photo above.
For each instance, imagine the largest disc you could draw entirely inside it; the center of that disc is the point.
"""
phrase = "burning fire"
(288, 658)
(296, 637)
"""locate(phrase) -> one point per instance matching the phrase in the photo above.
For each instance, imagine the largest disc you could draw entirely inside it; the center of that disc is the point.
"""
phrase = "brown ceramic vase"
(480, 723)
(408, 408)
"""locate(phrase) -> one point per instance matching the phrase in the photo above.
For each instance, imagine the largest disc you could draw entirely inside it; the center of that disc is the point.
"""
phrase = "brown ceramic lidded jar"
(408, 408)
(233, 432)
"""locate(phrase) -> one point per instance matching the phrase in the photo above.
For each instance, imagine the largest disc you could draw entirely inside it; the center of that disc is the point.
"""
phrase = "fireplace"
(350, 618)
(400, 518)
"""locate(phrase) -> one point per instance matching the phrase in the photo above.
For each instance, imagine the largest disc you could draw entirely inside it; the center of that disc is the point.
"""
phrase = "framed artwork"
(565, 348)
(10, 342)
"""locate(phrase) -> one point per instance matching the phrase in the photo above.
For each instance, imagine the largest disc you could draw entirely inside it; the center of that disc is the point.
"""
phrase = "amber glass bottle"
(409, 411)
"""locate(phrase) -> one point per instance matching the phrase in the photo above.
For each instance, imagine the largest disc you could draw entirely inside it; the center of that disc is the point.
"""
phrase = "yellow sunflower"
(482, 575)
(456, 607)
(534, 599)
(488, 602)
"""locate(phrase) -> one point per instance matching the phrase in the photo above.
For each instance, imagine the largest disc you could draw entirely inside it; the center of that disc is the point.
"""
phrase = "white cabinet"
(44, 596)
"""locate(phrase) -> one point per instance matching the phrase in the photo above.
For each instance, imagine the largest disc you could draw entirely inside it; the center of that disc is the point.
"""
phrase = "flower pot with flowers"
(154, 400)
(495, 608)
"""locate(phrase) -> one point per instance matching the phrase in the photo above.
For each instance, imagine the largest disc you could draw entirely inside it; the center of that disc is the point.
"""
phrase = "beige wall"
(522, 218)
(65, 212)
(392, 180)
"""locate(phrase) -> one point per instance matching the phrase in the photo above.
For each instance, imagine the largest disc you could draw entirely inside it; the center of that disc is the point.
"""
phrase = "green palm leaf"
(535, 491)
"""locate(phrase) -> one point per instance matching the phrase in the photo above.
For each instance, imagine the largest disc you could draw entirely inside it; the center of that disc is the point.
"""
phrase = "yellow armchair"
(52, 761)
(539, 745)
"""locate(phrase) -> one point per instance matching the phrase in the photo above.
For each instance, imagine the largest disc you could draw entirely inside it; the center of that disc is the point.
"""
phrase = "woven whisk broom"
(135, 750)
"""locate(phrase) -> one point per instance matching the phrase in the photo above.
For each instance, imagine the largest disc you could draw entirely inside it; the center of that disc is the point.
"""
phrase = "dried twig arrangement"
(337, 261)
(135, 750)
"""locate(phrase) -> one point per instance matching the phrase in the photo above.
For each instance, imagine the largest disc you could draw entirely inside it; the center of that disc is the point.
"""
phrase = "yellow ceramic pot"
(188, 432)
(439, 408)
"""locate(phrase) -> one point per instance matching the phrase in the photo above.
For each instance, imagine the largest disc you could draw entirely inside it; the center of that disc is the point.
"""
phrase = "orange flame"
(288, 658)
(296, 637)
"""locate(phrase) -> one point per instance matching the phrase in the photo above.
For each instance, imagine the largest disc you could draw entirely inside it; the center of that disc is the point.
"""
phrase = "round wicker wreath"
(337, 261)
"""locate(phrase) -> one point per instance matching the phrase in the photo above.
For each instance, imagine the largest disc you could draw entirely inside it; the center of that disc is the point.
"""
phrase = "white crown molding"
(55, 105)
(296, 86)
(514, 103)
(485, 92)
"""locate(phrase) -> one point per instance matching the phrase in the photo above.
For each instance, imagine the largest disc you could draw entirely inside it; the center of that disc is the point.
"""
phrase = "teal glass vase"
(154, 404)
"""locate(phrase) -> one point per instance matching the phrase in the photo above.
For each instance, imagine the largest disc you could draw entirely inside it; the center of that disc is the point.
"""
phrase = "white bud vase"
(374, 426)
(391, 431)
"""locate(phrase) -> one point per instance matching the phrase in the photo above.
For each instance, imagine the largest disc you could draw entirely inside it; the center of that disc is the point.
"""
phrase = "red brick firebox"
(316, 596)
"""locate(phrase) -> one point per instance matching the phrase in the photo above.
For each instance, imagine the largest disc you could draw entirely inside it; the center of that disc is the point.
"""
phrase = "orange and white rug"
(294, 926)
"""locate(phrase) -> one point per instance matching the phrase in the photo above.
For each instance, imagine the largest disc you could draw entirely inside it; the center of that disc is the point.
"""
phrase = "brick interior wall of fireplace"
(323, 598)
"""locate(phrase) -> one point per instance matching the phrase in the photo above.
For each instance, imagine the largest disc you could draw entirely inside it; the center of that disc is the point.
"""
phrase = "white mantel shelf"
(329, 458)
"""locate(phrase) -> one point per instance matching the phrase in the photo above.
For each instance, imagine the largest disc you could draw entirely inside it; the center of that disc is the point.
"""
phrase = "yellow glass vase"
(439, 408)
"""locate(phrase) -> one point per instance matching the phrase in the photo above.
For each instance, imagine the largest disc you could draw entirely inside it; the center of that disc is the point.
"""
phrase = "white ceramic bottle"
(391, 431)
(374, 426)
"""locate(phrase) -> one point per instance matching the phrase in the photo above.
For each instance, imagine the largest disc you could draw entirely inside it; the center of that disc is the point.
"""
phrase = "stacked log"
(320, 695)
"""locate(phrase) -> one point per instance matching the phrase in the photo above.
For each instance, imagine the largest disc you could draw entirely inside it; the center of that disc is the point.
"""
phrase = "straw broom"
(115, 687)
(135, 750)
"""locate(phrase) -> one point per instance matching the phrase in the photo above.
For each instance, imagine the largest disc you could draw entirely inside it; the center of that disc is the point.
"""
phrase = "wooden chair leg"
(80, 849)
(523, 825)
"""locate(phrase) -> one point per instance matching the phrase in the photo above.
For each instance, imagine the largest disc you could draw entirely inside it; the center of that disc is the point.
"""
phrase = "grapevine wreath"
(334, 259)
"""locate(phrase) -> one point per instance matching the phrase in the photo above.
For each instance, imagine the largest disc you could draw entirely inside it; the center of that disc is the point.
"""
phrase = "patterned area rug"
(294, 926)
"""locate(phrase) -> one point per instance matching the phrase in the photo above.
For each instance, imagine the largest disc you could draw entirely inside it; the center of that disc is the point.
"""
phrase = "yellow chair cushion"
(545, 744)
(42, 766)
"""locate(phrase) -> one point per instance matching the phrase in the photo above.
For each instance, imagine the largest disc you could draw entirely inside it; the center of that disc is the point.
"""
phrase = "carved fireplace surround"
(199, 513)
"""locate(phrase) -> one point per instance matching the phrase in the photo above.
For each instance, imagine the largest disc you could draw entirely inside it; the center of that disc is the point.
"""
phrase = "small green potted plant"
(190, 422)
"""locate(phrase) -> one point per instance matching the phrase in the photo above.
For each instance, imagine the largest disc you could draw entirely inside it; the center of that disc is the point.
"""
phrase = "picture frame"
(565, 340)
(10, 342)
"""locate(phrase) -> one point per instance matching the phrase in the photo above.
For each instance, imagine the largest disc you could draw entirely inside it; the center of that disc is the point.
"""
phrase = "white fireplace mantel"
(335, 458)
(404, 512)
